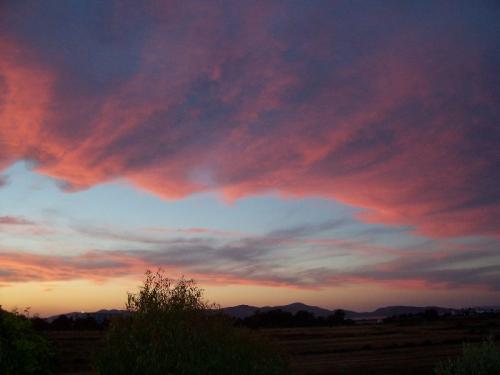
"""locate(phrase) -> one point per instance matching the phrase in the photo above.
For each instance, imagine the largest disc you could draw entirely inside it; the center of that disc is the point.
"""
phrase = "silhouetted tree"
(40, 324)
(277, 318)
(305, 319)
(22, 350)
(337, 318)
(171, 330)
(62, 323)
(431, 314)
(88, 323)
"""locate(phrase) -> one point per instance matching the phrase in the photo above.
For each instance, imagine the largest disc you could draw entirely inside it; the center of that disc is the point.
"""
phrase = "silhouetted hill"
(298, 306)
(388, 311)
(99, 316)
(243, 311)
(240, 311)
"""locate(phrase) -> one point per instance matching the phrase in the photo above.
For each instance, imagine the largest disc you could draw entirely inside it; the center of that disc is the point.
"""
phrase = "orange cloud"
(100, 266)
(443, 270)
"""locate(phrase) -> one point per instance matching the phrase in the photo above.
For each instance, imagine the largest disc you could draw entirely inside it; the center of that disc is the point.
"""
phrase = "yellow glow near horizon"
(50, 298)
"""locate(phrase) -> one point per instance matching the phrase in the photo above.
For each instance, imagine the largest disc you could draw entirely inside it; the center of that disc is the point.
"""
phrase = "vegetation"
(171, 329)
(385, 349)
(429, 315)
(65, 323)
(22, 350)
(278, 318)
(483, 359)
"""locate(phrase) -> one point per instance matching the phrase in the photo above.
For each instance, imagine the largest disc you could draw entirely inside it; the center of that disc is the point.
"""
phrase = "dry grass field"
(380, 348)
(359, 349)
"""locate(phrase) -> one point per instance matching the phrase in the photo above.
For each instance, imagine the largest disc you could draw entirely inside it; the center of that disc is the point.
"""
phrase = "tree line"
(275, 318)
(278, 318)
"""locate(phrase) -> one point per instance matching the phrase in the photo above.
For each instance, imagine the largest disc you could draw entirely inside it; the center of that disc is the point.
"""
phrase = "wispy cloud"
(22, 226)
(15, 220)
(293, 257)
(262, 259)
(480, 269)
(195, 231)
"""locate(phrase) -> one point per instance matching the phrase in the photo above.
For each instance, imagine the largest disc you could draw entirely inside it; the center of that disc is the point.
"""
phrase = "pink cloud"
(405, 127)
(415, 269)
(100, 266)
(14, 220)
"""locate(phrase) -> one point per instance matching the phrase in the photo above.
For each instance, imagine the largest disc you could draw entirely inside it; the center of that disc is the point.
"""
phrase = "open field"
(380, 348)
(360, 349)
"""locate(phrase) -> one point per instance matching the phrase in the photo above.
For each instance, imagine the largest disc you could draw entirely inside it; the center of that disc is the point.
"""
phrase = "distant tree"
(22, 350)
(104, 324)
(321, 321)
(269, 319)
(431, 314)
(278, 318)
(337, 318)
(62, 323)
(305, 319)
(87, 323)
(339, 315)
(171, 329)
(39, 324)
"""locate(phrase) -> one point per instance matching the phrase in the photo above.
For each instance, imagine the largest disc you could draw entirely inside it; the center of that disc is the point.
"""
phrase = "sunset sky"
(339, 153)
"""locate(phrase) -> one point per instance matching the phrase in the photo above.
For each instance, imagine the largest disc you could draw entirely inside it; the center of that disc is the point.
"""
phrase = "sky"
(344, 154)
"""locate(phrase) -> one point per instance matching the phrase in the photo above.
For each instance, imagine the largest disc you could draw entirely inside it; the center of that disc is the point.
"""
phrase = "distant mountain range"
(243, 311)
(99, 316)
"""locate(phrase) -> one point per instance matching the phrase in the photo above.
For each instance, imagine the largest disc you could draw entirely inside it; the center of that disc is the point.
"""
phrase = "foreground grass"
(482, 359)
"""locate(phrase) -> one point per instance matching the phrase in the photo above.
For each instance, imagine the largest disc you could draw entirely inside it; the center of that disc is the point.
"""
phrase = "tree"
(304, 318)
(268, 319)
(171, 329)
(160, 295)
(337, 318)
(22, 350)
(431, 314)
(62, 323)
(87, 323)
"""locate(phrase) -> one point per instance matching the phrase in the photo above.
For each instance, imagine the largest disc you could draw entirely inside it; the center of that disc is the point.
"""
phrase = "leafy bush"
(172, 330)
(22, 350)
(483, 359)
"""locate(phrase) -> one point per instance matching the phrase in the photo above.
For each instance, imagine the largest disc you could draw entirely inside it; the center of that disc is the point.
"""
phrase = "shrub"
(482, 359)
(172, 330)
(22, 350)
